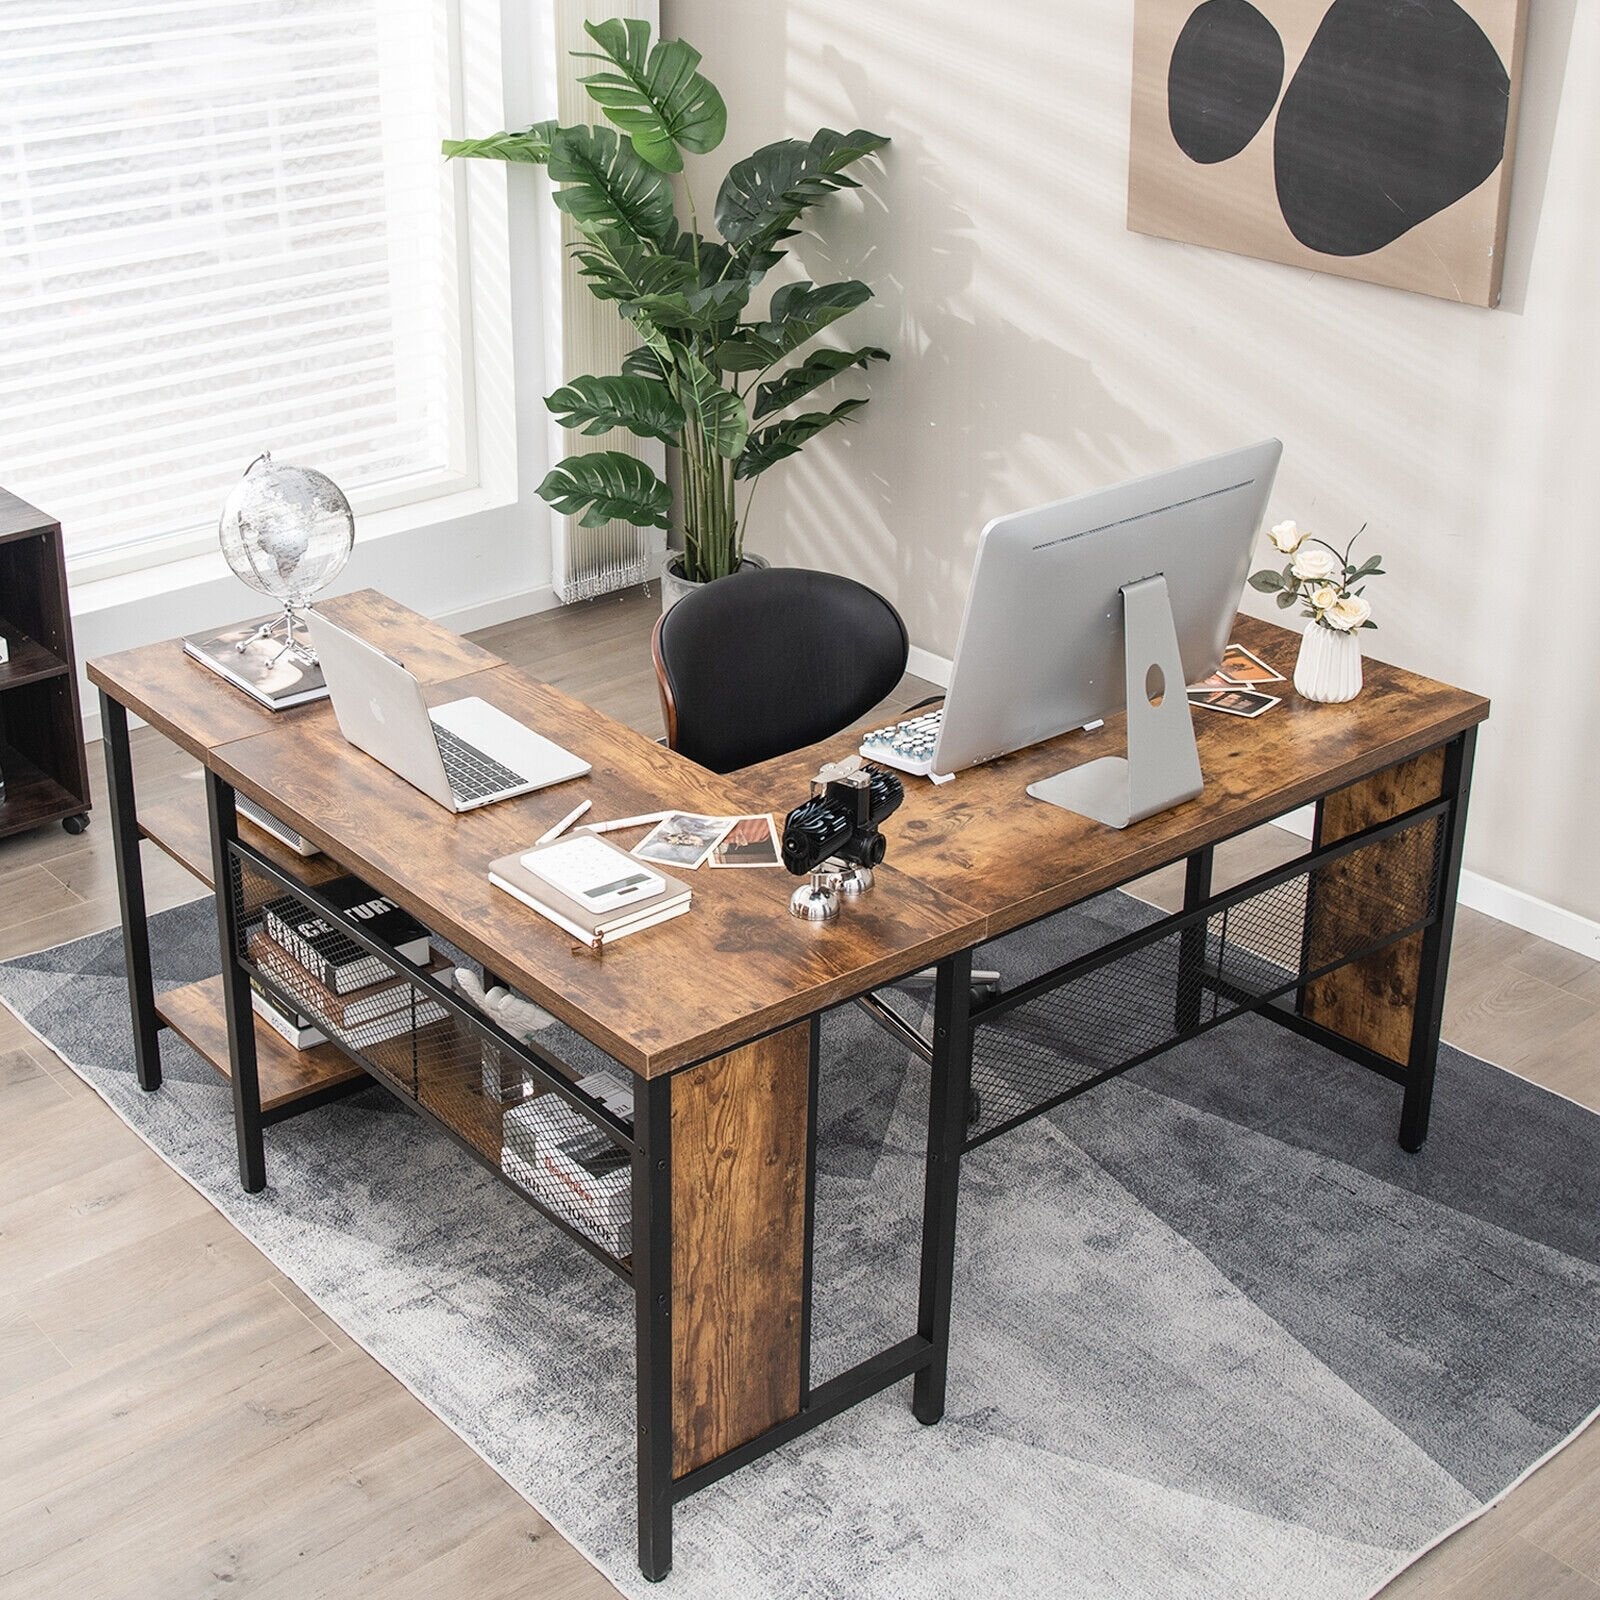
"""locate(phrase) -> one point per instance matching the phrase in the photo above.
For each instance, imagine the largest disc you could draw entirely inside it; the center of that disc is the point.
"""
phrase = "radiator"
(594, 561)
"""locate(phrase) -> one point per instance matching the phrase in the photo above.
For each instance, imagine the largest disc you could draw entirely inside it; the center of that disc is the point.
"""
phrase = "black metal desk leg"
(1192, 943)
(130, 891)
(949, 1089)
(1434, 966)
(652, 1299)
(236, 989)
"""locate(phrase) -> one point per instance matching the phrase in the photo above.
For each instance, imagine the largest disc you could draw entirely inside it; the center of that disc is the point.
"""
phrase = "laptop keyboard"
(472, 774)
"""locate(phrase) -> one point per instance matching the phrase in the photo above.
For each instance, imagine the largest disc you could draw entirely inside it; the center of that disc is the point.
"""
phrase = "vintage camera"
(834, 836)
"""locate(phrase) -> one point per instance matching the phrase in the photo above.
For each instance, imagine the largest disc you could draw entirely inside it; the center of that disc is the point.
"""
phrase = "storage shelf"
(179, 827)
(30, 661)
(33, 797)
(195, 1013)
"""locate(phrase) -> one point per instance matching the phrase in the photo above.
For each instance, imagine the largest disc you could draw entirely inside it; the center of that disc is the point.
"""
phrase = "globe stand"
(288, 624)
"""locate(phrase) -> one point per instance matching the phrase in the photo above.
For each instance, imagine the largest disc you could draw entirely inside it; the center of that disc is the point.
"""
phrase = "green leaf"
(798, 311)
(532, 144)
(816, 370)
(620, 267)
(721, 415)
(1287, 598)
(643, 362)
(655, 96)
(1267, 582)
(605, 185)
(612, 486)
(766, 192)
(597, 405)
(785, 438)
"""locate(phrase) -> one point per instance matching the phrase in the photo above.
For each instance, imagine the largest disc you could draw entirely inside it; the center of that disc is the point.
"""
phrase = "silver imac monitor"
(1110, 600)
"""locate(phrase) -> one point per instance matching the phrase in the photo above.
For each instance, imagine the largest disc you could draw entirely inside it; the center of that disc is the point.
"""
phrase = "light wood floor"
(177, 1420)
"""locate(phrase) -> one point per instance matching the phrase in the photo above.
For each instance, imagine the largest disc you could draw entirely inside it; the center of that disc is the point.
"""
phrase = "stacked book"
(276, 674)
(346, 993)
(297, 1030)
(572, 1168)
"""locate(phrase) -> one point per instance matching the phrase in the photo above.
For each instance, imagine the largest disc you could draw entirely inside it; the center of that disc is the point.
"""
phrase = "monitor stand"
(1162, 768)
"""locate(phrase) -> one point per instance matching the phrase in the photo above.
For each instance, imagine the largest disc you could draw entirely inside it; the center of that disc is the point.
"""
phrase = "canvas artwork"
(1368, 138)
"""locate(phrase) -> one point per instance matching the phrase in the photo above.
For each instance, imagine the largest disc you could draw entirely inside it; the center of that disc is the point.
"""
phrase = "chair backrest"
(768, 660)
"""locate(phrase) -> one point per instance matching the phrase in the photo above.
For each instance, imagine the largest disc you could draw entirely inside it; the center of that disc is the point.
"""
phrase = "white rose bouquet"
(1325, 581)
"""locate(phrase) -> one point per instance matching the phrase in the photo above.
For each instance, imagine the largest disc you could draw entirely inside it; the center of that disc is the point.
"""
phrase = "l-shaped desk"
(716, 1013)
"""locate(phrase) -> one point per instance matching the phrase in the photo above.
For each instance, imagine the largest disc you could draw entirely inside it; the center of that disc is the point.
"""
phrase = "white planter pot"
(674, 586)
(1329, 666)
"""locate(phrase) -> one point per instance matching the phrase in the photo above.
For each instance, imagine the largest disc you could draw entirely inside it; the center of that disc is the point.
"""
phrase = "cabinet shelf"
(32, 796)
(30, 661)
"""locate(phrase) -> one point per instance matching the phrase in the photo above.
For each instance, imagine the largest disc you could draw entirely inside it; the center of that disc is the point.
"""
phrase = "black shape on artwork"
(1398, 109)
(1223, 80)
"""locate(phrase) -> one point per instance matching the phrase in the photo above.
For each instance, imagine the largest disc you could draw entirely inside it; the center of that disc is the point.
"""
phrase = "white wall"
(1039, 349)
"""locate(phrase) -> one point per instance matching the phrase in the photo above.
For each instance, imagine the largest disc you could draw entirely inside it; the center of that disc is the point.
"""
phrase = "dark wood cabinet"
(41, 730)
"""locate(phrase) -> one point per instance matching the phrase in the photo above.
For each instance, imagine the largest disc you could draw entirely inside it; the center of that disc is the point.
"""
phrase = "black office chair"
(771, 660)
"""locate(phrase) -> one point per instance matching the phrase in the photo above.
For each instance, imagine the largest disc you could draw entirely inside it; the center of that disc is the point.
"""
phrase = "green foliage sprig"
(704, 376)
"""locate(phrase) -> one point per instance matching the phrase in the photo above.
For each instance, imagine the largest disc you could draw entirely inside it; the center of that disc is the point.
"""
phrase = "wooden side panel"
(1371, 1001)
(738, 1243)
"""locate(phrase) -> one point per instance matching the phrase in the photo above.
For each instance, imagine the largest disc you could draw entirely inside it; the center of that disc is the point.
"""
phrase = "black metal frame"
(956, 1021)
(924, 1356)
(147, 1024)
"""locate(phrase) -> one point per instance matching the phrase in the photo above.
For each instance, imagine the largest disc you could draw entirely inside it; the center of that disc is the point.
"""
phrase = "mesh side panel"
(404, 1034)
(1182, 979)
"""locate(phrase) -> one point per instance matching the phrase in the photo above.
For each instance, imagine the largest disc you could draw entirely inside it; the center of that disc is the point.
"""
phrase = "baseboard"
(925, 664)
(503, 608)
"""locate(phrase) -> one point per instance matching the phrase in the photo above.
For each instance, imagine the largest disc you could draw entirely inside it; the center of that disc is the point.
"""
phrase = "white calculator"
(593, 873)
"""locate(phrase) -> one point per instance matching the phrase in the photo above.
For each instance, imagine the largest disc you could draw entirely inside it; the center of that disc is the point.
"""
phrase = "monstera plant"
(710, 378)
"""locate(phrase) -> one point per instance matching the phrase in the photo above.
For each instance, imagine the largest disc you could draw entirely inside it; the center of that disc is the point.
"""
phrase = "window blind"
(226, 228)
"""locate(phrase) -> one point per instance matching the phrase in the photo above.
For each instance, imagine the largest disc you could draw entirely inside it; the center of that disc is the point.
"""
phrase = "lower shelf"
(195, 1013)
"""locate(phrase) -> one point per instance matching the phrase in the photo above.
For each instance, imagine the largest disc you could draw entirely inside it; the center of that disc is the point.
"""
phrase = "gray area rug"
(1215, 1335)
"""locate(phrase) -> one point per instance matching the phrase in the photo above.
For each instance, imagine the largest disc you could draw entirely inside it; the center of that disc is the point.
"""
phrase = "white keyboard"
(907, 746)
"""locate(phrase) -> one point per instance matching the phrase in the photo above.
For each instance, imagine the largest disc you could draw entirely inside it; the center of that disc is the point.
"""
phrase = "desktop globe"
(286, 531)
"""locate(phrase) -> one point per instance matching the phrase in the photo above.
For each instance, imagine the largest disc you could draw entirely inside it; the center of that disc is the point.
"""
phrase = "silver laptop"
(464, 755)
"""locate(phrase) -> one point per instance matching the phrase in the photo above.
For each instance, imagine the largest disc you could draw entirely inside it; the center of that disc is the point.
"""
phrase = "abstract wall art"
(1368, 138)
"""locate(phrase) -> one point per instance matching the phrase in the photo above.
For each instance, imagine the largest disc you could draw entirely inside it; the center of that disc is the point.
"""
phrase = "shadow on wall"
(939, 411)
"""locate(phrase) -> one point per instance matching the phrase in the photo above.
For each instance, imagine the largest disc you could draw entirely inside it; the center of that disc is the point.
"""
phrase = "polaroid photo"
(750, 842)
(1244, 667)
(1236, 702)
(682, 839)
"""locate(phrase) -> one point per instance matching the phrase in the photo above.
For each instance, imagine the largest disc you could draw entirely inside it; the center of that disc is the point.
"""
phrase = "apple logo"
(376, 709)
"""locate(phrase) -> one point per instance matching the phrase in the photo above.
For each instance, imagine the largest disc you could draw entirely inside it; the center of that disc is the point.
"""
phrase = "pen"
(630, 822)
(565, 823)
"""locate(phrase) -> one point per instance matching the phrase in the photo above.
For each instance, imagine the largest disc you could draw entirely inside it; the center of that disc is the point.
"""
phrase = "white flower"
(1323, 596)
(1347, 614)
(1287, 537)
(1316, 565)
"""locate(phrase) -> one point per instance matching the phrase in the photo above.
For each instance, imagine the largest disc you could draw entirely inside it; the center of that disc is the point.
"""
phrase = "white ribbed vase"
(1329, 666)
